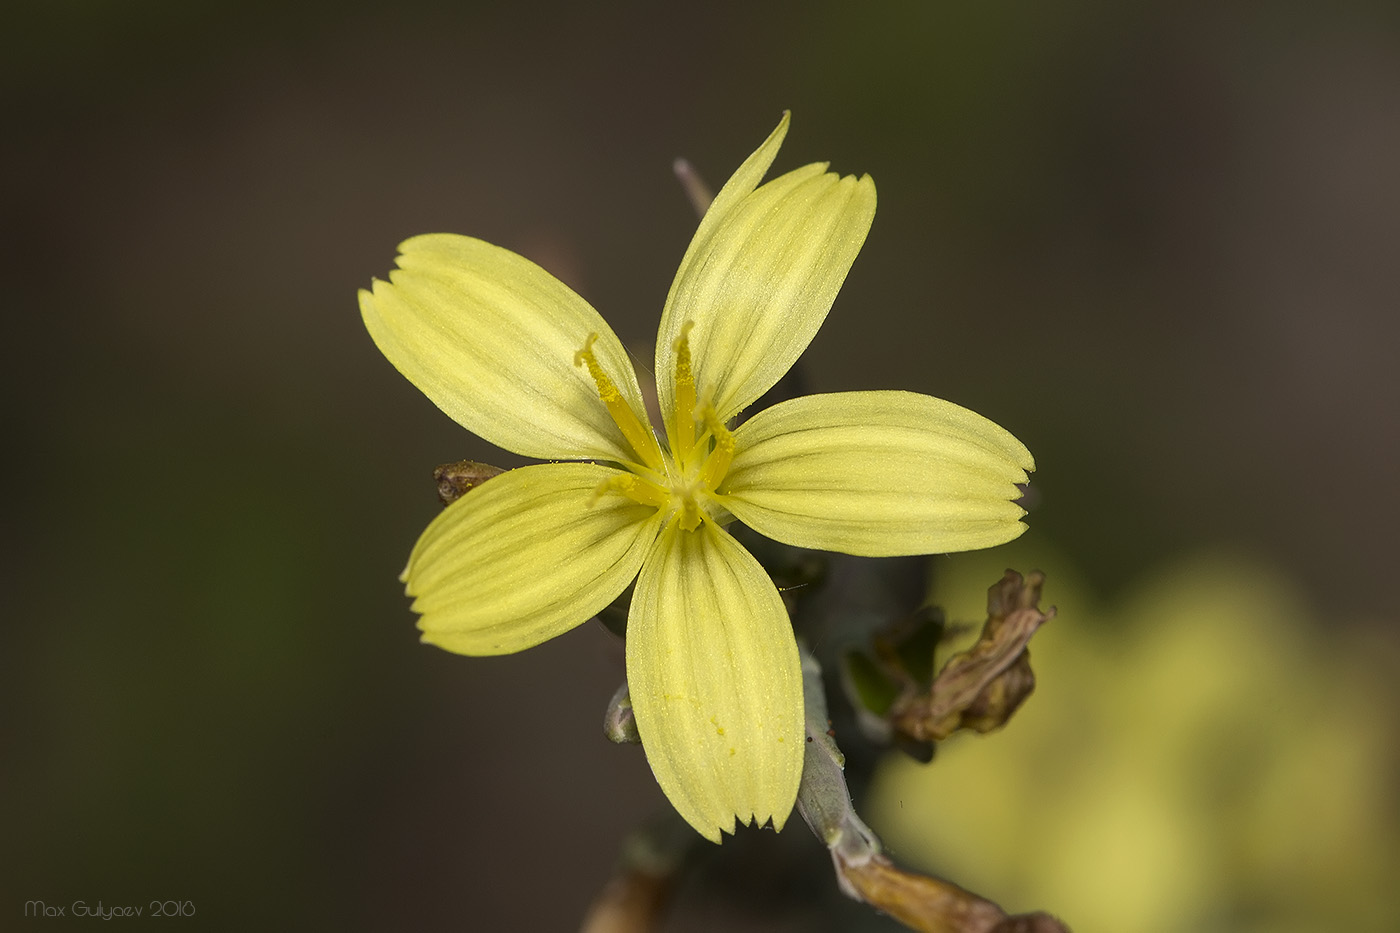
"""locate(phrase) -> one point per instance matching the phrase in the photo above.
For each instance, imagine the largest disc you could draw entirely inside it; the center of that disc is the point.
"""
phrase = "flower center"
(681, 480)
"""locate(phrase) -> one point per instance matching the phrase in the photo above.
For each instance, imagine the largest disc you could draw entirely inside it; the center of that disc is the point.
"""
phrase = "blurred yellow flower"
(1200, 760)
(516, 357)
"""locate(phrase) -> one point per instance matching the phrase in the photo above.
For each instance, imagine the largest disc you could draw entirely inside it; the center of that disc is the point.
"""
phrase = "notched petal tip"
(716, 830)
(751, 819)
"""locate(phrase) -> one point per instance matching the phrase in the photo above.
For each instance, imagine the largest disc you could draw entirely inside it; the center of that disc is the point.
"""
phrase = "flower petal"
(524, 557)
(490, 337)
(758, 286)
(877, 474)
(739, 186)
(715, 680)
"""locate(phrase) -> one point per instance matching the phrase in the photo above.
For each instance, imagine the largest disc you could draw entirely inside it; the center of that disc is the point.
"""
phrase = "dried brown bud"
(455, 480)
(980, 688)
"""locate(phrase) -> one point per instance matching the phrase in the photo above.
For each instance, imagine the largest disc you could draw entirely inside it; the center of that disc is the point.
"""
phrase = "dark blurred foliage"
(1155, 241)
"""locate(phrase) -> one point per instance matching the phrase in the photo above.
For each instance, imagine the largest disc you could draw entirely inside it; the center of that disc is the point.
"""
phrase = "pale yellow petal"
(490, 337)
(739, 186)
(525, 556)
(877, 474)
(759, 284)
(715, 680)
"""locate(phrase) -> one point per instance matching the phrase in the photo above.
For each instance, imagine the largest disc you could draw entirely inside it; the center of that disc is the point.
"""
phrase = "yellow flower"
(513, 355)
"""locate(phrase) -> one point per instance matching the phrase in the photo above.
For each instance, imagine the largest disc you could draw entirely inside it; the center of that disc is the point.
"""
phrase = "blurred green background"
(1157, 241)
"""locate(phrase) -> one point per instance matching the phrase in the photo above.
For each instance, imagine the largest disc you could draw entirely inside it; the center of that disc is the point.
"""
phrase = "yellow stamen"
(683, 419)
(641, 438)
(633, 488)
(717, 465)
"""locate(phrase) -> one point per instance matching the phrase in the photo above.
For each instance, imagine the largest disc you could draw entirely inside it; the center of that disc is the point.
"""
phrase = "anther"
(638, 435)
(683, 417)
(607, 391)
(717, 464)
